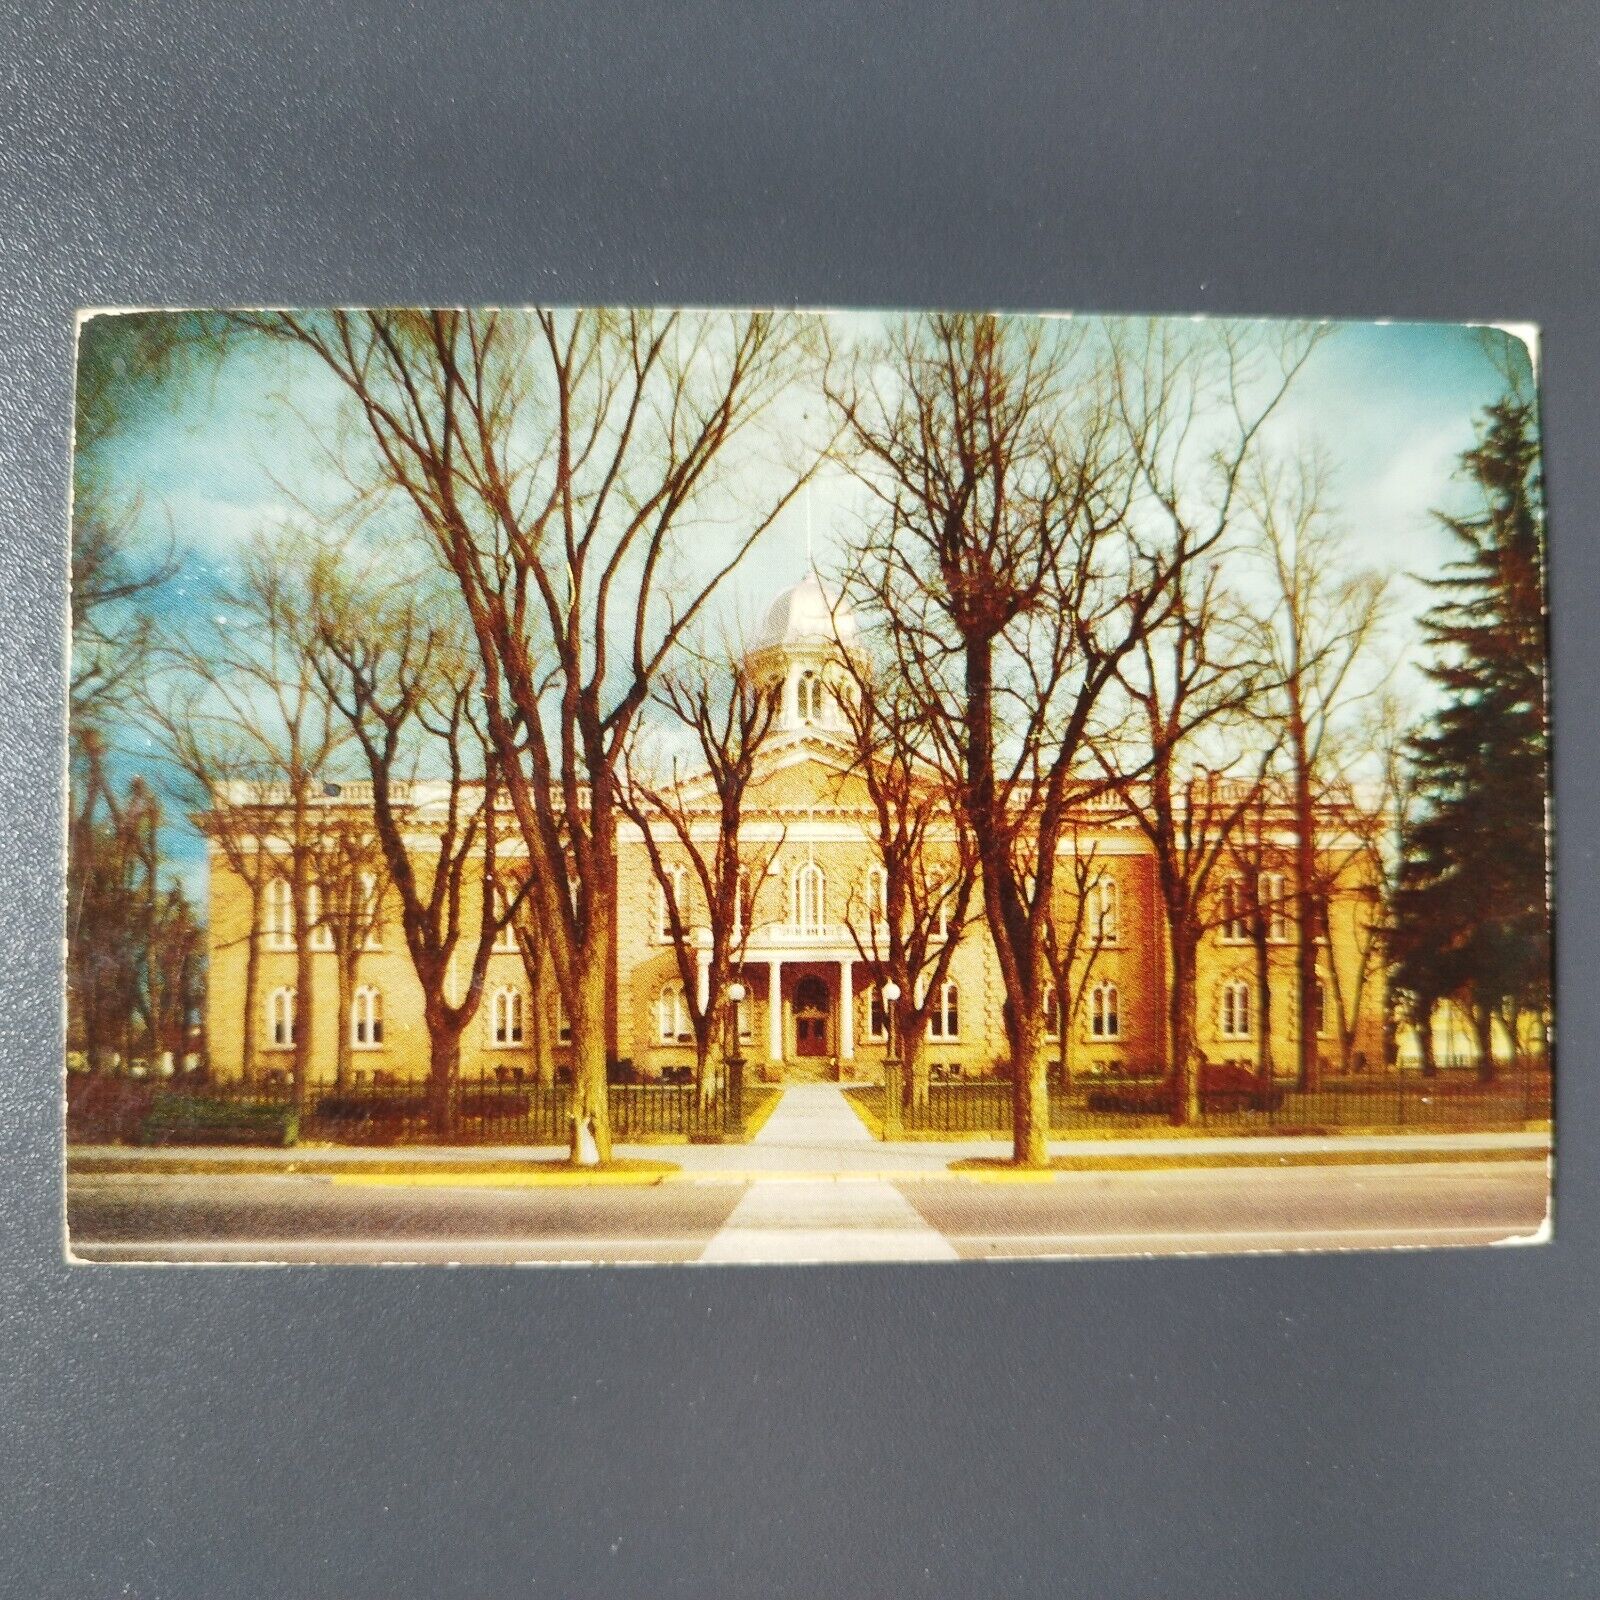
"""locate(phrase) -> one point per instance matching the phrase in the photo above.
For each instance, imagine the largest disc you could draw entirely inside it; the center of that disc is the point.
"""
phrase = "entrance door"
(811, 1017)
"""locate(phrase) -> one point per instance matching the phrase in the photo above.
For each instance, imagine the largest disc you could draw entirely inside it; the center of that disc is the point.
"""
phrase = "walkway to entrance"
(841, 1219)
(811, 1116)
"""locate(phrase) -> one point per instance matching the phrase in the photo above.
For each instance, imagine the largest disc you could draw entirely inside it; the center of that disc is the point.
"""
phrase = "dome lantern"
(797, 649)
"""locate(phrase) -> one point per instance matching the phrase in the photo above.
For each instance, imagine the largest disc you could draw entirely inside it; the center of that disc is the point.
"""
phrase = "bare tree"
(688, 806)
(1254, 901)
(556, 463)
(1375, 813)
(1005, 571)
(347, 873)
(244, 697)
(1191, 682)
(217, 769)
(404, 681)
(1072, 947)
(907, 920)
(1322, 624)
(534, 948)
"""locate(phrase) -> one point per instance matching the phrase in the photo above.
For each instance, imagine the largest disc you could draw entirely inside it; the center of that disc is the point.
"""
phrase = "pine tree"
(1471, 912)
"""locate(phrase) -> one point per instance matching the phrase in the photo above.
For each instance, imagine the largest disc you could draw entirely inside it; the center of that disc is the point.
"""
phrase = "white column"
(774, 1010)
(847, 1009)
(703, 980)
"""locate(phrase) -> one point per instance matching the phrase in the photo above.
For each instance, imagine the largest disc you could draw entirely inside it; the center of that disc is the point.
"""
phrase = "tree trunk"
(1030, 1090)
(541, 1033)
(444, 1068)
(1310, 1063)
(914, 1067)
(1263, 955)
(1344, 1030)
(541, 1024)
(1184, 1051)
(1063, 1038)
(591, 1111)
(249, 1060)
(1305, 874)
(304, 1013)
(341, 1033)
(707, 1069)
(1483, 1028)
(1424, 1027)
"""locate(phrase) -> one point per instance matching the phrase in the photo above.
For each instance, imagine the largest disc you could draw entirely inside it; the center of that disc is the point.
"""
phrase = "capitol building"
(813, 1007)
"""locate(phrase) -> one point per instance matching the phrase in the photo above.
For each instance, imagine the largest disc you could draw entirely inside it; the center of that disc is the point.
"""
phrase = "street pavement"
(812, 1186)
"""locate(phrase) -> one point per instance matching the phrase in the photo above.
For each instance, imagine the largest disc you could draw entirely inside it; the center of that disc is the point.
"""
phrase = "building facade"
(812, 1006)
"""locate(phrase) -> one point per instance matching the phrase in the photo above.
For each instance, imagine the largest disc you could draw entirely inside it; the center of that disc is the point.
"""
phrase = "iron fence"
(478, 1110)
(1452, 1099)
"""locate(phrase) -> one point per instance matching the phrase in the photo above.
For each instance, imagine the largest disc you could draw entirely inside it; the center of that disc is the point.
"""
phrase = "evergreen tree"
(1471, 911)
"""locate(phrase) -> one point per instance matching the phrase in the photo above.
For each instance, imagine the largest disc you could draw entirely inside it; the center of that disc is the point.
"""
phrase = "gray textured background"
(1416, 1424)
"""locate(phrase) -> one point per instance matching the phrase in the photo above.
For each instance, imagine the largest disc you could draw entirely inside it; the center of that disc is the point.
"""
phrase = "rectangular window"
(1105, 1012)
(944, 1022)
(1235, 1019)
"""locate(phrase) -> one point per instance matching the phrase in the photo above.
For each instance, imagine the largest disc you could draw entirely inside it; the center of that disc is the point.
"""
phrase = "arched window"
(321, 931)
(1050, 1009)
(371, 911)
(672, 1014)
(809, 899)
(808, 697)
(1235, 914)
(1104, 907)
(506, 938)
(1274, 907)
(505, 1017)
(671, 894)
(280, 915)
(944, 1021)
(281, 1019)
(1235, 1018)
(877, 891)
(1105, 1012)
(366, 1018)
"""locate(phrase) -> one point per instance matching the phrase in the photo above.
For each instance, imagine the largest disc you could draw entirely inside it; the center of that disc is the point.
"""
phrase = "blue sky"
(226, 457)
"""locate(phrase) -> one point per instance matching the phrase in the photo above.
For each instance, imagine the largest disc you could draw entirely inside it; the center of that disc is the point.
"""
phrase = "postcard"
(605, 785)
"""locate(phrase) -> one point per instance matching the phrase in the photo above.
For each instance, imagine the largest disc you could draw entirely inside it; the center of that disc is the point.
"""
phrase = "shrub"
(199, 1119)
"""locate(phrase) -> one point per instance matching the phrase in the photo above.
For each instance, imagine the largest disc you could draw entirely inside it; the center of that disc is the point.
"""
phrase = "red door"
(811, 1017)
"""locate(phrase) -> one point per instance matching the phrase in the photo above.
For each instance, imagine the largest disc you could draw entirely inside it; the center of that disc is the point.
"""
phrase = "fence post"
(736, 1092)
(892, 1125)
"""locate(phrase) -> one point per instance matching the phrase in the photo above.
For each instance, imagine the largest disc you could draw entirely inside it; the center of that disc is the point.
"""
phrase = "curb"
(524, 1175)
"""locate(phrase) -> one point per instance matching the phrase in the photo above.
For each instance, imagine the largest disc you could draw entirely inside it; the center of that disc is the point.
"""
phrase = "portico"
(810, 999)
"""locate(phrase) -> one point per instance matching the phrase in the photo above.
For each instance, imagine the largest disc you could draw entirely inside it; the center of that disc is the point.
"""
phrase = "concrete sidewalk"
(814, 1132)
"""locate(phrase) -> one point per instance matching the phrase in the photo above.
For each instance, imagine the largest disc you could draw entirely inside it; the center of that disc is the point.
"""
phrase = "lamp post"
(891, 1062)
(736, 992)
